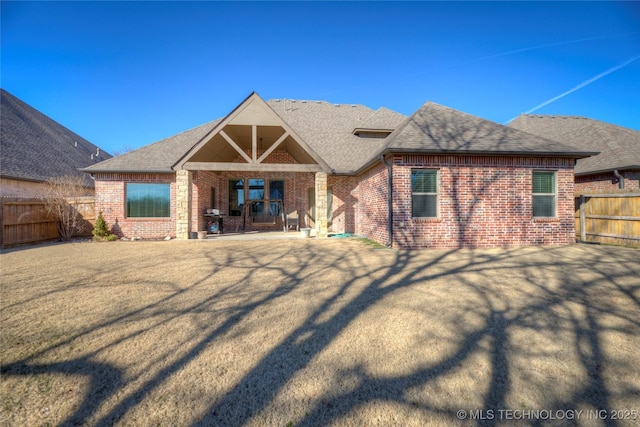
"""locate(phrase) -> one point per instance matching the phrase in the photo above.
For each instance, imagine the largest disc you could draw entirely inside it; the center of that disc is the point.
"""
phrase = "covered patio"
(255, 172)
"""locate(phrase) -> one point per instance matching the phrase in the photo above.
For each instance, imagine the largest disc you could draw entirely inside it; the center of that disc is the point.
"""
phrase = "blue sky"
(125, 74)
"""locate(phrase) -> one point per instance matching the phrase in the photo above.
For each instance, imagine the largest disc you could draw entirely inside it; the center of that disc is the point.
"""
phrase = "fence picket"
(612, 217)
(26, 221)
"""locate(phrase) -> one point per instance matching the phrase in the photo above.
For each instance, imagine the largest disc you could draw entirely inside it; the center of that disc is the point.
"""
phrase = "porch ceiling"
(218, 149)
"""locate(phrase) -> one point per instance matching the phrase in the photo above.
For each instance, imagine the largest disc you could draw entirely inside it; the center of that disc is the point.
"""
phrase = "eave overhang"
(158, 171)
(386, 151)
(607, 170)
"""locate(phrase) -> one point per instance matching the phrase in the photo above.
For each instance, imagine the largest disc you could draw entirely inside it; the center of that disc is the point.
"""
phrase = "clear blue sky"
(125, 74)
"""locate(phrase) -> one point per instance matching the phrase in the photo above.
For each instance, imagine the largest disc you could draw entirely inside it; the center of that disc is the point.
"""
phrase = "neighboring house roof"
(328, 129)
(619, 147)
(36, 148)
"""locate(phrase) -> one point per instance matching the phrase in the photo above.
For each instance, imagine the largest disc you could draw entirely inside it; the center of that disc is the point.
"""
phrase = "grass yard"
(318, 332)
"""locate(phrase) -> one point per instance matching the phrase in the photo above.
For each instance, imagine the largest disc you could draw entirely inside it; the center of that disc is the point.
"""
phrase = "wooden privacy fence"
(26, 221)
(612, 218)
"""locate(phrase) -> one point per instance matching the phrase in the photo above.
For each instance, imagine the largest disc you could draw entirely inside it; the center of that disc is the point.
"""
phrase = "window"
(424, 193)
(236, 196)
(276, 192)
(544, 194)
(256, 192)
(148, 200)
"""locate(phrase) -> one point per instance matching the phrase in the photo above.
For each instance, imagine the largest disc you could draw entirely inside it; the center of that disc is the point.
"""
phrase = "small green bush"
(101, 230)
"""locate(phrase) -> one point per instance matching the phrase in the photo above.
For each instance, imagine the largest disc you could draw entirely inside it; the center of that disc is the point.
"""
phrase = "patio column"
(183, 204)
(321, 205)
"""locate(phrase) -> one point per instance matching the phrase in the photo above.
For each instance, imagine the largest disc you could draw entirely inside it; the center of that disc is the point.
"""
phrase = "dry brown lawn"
(312, 332)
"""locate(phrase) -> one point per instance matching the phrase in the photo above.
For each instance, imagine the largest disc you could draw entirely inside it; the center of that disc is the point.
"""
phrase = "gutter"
(389, 166)
(620, 179)
(158, 171)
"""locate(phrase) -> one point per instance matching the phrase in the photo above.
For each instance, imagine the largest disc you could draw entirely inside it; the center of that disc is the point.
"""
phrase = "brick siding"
(606, 181)
(483, 202)
(110, 200)
(373, 211)
(343, 203)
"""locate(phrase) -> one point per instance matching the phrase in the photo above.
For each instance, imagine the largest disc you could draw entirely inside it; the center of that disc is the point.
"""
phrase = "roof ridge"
(572, 117)
(318, 101)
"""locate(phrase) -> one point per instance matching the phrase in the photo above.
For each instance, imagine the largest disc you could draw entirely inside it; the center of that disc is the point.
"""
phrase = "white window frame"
(554, 194)
(436, 193)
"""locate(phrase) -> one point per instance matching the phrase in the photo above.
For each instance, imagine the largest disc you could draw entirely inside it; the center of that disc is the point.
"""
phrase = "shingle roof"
(35, 147)
(619, 147)
(327, 128)
(436, 129)
(383, 118)
(158, 157)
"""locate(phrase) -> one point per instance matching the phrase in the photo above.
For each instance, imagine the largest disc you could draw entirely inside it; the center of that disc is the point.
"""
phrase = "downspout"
(620, 179)
(389, 197)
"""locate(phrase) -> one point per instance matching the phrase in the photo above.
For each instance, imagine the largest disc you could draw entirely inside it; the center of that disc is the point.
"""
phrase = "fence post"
(583, 231)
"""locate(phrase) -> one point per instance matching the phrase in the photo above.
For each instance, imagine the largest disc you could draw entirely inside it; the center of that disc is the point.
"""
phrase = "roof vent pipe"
(97, 151)
(620, 179)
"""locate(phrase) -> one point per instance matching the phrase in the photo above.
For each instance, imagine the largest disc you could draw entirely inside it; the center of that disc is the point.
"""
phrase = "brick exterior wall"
(606, 181)
(373, 212)
(110, 200)
(296, 187)
(202, 184)
(343, 203)
(483, 202)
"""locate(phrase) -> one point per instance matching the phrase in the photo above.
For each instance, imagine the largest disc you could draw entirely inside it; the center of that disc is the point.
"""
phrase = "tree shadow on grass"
(567, 309)
(260, 386)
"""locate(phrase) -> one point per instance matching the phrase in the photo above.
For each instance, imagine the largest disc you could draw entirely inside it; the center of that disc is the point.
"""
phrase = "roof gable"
(35, 147)
(238, 134)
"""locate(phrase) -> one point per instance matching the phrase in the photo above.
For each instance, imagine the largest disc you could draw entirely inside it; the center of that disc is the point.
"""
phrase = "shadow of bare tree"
(335, 333)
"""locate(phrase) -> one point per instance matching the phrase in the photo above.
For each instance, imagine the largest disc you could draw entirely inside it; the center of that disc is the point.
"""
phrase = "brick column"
(321, 205)
(183, 204)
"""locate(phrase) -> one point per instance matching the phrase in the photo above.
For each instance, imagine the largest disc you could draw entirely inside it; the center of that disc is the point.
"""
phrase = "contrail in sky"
(525, 49)
(495, 55)
(583, 84)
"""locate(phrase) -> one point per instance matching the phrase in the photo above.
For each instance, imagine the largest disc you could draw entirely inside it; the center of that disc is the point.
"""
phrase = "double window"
(424, 193)
(148, 200)
(544, 194)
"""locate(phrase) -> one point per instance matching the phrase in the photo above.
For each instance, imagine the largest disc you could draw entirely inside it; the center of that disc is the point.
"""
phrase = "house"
(35, 148)
(439, 178)
(617, 165)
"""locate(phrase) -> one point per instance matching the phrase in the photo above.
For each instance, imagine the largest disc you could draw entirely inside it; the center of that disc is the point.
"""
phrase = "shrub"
(101, 230)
